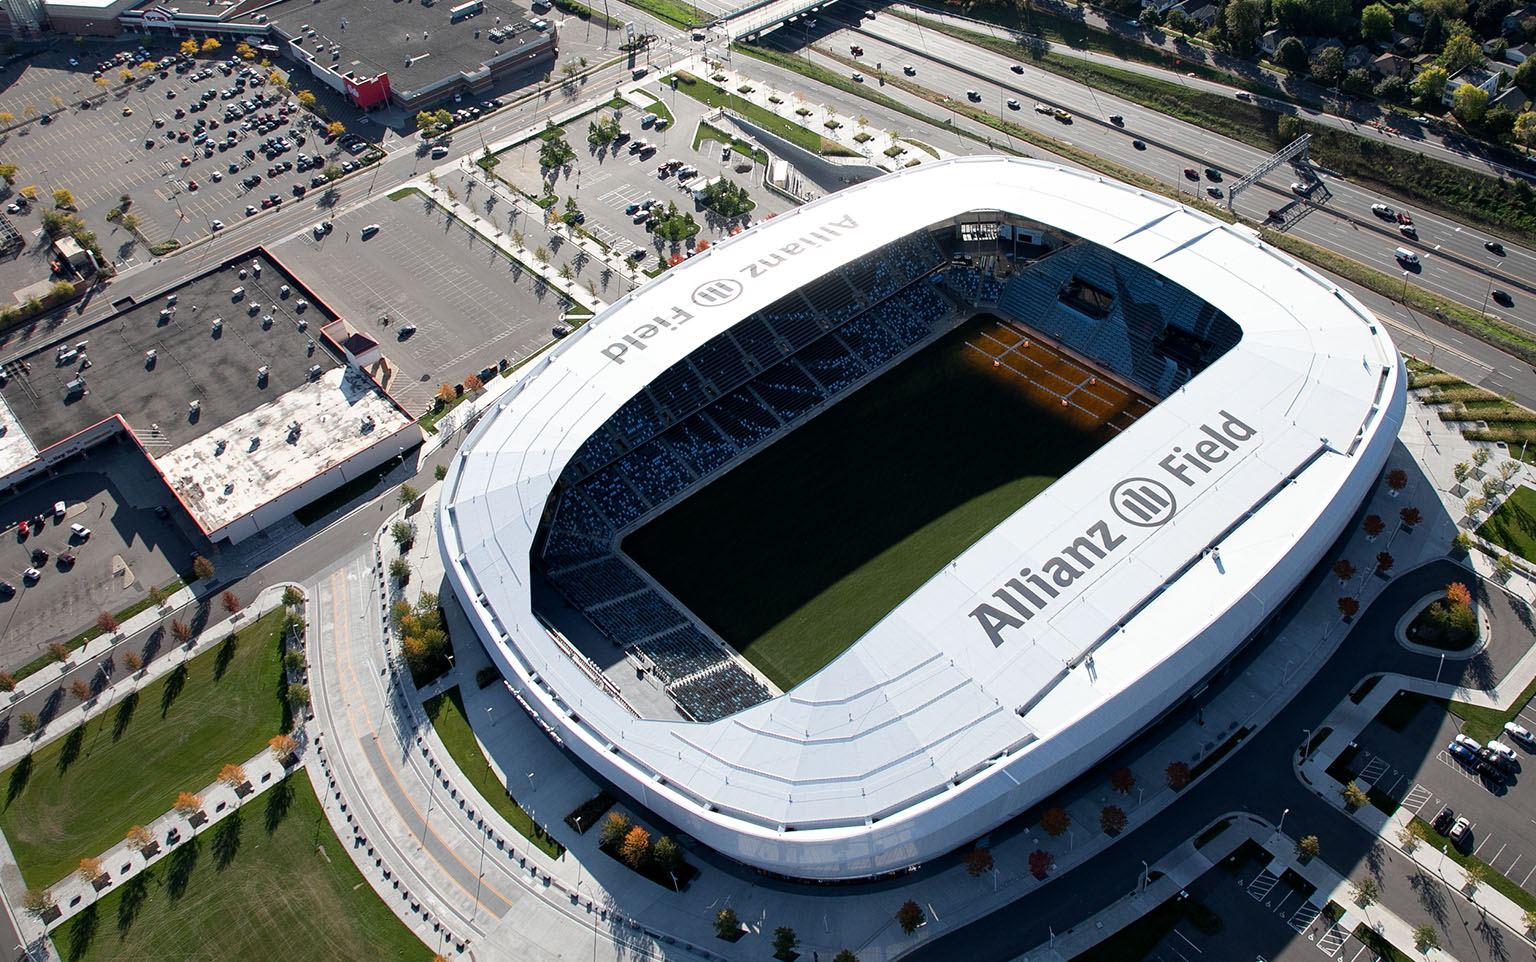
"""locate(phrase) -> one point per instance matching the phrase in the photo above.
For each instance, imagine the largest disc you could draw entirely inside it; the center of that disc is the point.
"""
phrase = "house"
(1518, 55)
(1202, 11)
(1271, 40)
(1391, 65)
(1357, 56)
(1515, 17)
(1416, 18)
(1487, 80)
(1405, 43)
(1511, 98)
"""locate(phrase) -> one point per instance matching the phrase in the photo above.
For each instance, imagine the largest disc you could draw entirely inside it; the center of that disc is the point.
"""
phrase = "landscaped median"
(79, 794)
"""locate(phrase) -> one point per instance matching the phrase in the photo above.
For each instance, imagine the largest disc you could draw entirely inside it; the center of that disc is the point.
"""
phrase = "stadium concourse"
(1251, 406)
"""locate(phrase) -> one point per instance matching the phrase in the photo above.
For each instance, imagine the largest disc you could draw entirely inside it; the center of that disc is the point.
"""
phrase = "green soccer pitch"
(794, 554)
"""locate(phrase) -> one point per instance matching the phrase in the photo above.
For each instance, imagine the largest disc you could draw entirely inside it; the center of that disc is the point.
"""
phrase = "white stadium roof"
(957, 711)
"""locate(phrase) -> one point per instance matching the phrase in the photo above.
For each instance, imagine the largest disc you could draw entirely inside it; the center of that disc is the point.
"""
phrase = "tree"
(306, 99)
(727, 925)
(845, 955)
(785, 941)
(1244, 23)
(232, 776)
(1476, 874)
(1475, 505)
(37, 902)
(210, 45)
(1409, 836)
(1354, 796)
(406, 494)
(189, 47)
(400, 570)
(1508, 469)
(541, 255)
(978, 861)
(473, 383)
(1055, 821)
(90, 870)
(1122, 781)
(80, 690)
(1112, 819)
(1328, 66)
(1470, 104)
(188, 804)
(1365, 891)
(1375, 22)
(107, 622)
(1460, 51)
(1492, 487)
(636, 849)
(445, 393)
(1434, 32)
(1425, 938)
(1373, 526)
(294, 661)
(440, 471)
(1292, 55)
(7, 681)
(1410, 517)
(1040, 862)
(1343, 570)
(335, 129)
(1384, 562)
(1480, 457)
(1429, 84)
(666, 855)
(402, 533)
(8, 173)
(909, 916)
(1348, 607)
(615, 827)
(230, 602)
(140, 838)
(1393, 90)
(1462, 543)
(57, 652)
(298, 696)
(27, 723)
(63, 199)
(181, 631)
(1307, 847)
(157, 597)
(1177, 775)
(1461, 471)
(293, 596)
(1503, 567)
(202, 568)
(281, 746)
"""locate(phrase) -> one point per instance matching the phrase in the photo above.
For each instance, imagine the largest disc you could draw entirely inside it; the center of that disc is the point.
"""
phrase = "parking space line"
(1417, 798)
(1186, 939)
(1481, 844)
(1497, 854)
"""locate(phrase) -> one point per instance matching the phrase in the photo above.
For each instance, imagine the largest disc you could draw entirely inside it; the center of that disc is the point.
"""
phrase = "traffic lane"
(1257, 768)
(1196, 143)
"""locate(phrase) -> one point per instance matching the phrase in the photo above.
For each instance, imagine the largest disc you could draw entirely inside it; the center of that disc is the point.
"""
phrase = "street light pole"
(1306, 739)
(1281, 827)
(1143, 877)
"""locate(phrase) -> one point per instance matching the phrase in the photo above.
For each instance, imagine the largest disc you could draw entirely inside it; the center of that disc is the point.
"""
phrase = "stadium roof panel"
(1044, 644)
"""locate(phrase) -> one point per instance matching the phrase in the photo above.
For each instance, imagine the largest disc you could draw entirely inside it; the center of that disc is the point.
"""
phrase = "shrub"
(909, 916)
(727, 925)
(1178, 775)
(1112, 819)
(636, 848)
(978, 861)
(615, 827)
(1055, 821)
(1040, 862)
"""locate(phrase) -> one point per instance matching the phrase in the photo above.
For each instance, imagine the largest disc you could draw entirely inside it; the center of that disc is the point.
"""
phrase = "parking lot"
(114, 492)
(1415, 767)
(471, 305)
(130, 140)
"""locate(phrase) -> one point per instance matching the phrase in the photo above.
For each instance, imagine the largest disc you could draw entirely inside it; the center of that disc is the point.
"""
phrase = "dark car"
(66, 560)
(1495, 247)
(1444, 820)
(1213, 173)
(1138, 145)
(1502, 297)
(39, 556)
(7, 589)
(1191, 173)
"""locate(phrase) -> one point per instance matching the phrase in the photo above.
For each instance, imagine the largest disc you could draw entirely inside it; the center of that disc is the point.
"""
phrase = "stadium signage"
(720, 292)
(1136, 502)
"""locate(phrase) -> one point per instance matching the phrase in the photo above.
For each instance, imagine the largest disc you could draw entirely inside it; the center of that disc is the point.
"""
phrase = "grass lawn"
(1513, 524)
(1501, 883)
(1485, 724)
(828, 552)
(271, 880)
(78, 795)
(448, 717)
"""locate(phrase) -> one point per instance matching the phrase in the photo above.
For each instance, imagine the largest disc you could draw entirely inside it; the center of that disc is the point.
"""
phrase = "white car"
(31, 574)
(80, 531)
(1459, 831)
(1042, 109)
(217, 225)
(1502, 749)
(1013, 104)
(370, 230)
(909, 70)
(1469, 741)
(59, 508)
(1519, 731)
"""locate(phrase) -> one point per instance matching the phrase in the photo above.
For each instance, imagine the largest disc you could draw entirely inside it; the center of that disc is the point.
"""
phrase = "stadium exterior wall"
(1167, 644)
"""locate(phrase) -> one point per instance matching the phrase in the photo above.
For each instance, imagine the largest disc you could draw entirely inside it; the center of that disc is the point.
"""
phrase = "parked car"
(1502, 749)
(1518, 731)
(1462, 753)
(59, 508)
(31, 575)
(369, 231)
(80, 531)
(1460, 832)
(1444, 820)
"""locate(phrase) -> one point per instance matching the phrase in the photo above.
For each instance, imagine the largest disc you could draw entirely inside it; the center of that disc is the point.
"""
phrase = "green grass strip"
(1485, 724)
(1384, 949)
(449, 718)
(1496, 881)
(429, 420)
(710, 132)
(403, 193)
(78, 795)
(682, 15)
(713, 96)
(271, 874)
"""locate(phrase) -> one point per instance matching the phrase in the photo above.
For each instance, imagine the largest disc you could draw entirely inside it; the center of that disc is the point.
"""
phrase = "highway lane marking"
(351, 667)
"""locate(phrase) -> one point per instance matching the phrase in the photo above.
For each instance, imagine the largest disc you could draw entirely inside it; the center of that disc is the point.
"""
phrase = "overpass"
(752, 21)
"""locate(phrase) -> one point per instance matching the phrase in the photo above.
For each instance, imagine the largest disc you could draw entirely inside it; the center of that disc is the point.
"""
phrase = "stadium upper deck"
(1054, 638)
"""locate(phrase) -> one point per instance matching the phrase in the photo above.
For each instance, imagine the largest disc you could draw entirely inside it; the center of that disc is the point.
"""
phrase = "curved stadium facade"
(1245, 406)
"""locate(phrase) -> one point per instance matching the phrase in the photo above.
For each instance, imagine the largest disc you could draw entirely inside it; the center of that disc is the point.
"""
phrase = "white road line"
(1186, 939)
(1497, 854)
(1481, 844)
(1513, 864)
(1528, 876)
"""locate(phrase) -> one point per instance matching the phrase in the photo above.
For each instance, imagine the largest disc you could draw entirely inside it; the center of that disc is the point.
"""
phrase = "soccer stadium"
(856, 535)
